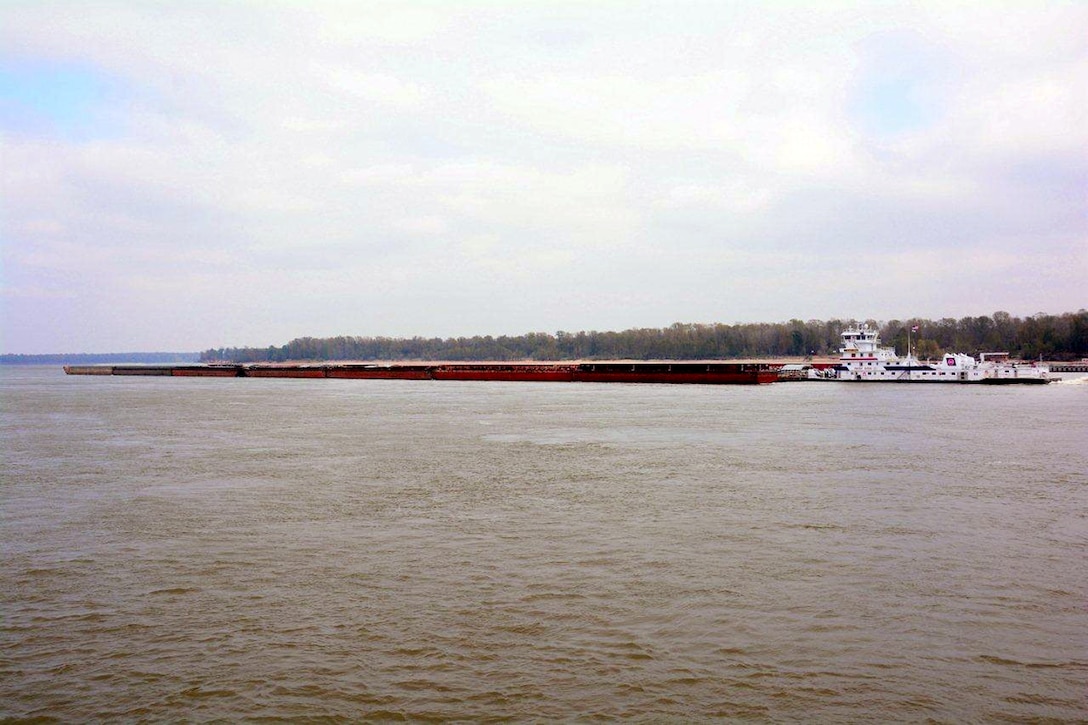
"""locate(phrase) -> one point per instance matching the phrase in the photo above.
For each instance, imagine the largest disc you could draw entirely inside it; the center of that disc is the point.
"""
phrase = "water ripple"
(389, 550)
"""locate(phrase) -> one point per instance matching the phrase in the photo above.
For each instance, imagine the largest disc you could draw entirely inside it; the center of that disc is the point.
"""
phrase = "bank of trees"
(1052, 337)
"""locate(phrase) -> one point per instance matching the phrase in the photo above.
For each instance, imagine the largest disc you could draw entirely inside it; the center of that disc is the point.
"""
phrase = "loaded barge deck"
(714, 373)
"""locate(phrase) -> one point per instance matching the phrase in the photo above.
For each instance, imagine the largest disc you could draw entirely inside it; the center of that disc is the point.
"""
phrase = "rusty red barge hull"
(714, 373)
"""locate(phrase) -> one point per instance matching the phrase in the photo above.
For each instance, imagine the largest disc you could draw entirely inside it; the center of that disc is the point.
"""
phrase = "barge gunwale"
(258, 371)
(206, 372)
(378, 372)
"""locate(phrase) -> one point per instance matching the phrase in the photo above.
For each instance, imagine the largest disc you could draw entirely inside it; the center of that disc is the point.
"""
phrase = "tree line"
(1052, 337)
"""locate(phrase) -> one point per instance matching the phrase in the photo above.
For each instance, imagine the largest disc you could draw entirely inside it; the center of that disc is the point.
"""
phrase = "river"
(199, 549)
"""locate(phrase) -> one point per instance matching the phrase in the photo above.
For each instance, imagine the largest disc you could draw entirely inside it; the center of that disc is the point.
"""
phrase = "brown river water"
(225, 549)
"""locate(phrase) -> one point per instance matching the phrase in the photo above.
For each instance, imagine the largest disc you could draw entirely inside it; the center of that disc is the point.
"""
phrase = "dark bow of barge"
(713, 373)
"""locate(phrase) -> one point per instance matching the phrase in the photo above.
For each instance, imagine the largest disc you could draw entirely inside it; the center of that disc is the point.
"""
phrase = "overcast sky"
(186, 175)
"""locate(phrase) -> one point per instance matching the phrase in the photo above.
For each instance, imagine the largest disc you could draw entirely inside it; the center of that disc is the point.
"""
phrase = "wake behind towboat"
(862, 359)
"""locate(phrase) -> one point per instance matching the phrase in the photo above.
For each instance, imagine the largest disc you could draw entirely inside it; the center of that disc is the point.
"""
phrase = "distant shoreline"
(100, 358)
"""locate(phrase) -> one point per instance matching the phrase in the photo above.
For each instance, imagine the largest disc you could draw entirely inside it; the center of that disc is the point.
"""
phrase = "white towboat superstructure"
(862, 359)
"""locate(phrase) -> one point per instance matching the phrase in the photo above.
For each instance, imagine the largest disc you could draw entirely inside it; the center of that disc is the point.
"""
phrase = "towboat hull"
(863, 360)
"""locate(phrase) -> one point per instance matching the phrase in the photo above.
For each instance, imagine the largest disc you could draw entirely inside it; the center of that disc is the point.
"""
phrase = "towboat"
(862, 359)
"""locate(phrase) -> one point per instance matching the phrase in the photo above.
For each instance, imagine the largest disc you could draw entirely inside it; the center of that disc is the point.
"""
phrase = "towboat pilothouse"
(862, 359)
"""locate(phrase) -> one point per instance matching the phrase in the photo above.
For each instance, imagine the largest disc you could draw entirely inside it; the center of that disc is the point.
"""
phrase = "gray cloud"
(254, 172)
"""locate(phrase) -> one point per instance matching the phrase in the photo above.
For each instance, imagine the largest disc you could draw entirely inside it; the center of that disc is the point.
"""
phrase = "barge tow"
(712, 373)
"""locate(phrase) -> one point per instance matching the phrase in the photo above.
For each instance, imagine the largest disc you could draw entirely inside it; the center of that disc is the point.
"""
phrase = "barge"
(712, 373)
